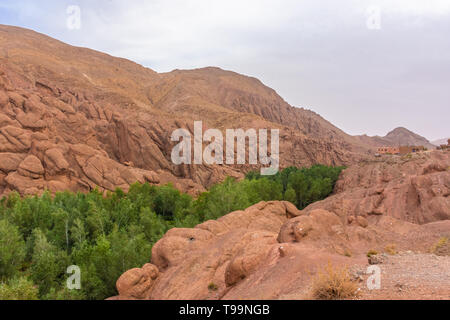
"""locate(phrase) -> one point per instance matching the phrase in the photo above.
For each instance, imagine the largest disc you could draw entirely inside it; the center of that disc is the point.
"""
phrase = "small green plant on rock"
(371, 253)
(212, 286)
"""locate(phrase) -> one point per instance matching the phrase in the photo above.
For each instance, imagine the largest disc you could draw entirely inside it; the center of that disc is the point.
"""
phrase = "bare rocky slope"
(73, 119)
(272, 250)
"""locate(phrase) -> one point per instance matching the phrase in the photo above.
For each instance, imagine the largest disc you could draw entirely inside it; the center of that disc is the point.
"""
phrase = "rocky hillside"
(73, 118)
(398, 137)
(272, 250)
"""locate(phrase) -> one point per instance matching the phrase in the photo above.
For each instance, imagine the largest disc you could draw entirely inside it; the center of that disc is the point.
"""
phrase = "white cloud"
(314, 53)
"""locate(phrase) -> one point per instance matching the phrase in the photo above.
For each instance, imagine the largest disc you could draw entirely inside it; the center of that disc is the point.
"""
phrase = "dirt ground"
(408, 275)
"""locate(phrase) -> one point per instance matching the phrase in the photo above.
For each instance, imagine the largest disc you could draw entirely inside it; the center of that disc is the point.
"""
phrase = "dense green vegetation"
(41, 236)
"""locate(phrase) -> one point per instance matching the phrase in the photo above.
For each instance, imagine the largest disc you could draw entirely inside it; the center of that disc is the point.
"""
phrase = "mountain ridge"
(399, 136)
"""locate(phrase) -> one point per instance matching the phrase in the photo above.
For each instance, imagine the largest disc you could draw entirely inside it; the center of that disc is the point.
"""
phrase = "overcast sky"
(366, 66)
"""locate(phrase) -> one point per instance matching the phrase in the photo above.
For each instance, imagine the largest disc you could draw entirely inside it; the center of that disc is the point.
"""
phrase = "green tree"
(78, 233)
(48, 263)
(12, 250)
(290, 195)
(224, 198)
(154, 226)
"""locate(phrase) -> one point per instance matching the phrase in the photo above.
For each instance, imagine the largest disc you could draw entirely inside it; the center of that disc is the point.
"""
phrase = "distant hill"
(398, 137)
(440, 141)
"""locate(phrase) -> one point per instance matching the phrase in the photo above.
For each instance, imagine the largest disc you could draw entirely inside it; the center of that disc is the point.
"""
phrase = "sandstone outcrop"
(137, 283)
(409, 189)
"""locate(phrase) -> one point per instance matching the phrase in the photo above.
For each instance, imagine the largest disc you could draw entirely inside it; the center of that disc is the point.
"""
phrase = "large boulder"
(137, 283)
(55, 161)
(201, 262)
(31, 167)
(14, 139)
(313, 226)
(10, 161)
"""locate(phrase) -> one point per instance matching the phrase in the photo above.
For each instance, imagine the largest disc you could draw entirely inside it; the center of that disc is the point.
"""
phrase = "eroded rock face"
(220, 252)
(108, 123)
(415, 190)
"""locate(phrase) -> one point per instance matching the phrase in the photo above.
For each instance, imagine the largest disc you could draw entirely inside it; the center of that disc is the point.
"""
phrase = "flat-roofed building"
(388, 150)
(400, 150)
(411, 149)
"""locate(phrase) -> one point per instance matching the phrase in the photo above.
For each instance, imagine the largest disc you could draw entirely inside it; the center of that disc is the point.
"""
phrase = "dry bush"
(442, 247)
(390, 249)
(333, 283)
(371, 253)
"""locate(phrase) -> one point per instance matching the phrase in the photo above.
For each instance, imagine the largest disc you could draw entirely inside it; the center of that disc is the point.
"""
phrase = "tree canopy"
(40, 236)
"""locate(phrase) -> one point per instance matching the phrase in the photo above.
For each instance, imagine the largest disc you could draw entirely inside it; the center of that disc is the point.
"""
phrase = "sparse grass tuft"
(390, 249)
(442, 247)
(332, 283)
(347, 253)
(371, 253)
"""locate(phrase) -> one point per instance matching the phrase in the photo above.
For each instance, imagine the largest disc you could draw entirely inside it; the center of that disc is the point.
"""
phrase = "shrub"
(64, 294)
(18, 289)
(390, 249)
(441, 247)
(371, 253)
(212, 286)
(332, 283)
(347, 253)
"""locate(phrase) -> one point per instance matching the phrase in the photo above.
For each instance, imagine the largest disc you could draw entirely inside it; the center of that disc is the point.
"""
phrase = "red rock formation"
(137, 283)
(410, 189)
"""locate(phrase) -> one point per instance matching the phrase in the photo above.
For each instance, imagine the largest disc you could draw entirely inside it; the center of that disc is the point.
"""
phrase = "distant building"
(411, 149)
(388, 150)
(400, 150)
